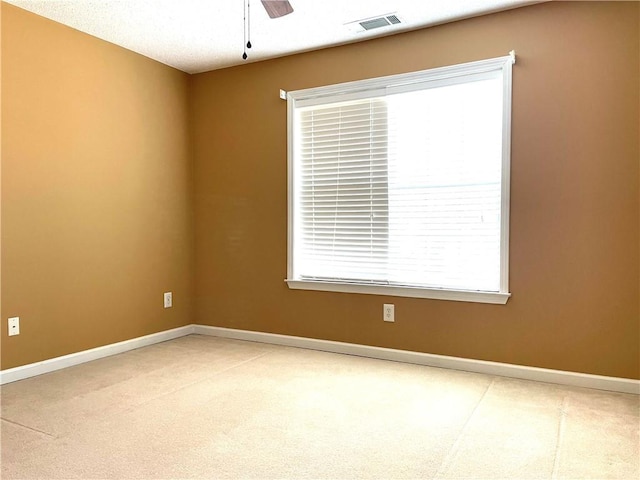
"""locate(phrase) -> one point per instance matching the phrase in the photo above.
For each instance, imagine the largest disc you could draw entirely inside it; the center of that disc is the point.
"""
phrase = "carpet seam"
(196, 382)
(28, 427)
(559, 438)
(446, 463)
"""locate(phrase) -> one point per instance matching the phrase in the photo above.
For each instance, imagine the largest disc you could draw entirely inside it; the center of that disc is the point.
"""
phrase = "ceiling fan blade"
(277, 8)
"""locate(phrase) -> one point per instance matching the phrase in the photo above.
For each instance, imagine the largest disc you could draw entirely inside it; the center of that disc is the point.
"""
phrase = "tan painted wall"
(96, 192)
(574, 205)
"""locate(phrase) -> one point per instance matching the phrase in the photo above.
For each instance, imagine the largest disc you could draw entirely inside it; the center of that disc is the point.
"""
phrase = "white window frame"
(362, 88)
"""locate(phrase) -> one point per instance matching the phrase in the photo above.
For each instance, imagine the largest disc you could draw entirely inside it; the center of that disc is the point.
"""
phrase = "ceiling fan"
(274, 8)
(277, 8)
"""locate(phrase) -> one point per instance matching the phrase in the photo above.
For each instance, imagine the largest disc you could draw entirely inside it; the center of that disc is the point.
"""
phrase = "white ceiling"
(200, 35)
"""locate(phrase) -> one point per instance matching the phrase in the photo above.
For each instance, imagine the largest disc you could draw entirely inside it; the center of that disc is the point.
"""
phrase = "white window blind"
(343, 195)
(399, 185)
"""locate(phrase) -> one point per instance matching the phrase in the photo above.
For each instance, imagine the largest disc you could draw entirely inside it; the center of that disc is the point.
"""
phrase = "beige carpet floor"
(205, 407)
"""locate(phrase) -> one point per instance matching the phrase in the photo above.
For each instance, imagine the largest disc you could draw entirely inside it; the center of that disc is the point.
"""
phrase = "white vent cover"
(373, 23)
(393, 19)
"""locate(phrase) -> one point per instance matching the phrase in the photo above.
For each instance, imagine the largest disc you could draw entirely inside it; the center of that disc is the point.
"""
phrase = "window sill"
(395, 291)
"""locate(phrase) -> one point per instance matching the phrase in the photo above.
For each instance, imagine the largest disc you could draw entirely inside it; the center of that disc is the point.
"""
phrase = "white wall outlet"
(14, 326)
(168, 300)
(388, 312)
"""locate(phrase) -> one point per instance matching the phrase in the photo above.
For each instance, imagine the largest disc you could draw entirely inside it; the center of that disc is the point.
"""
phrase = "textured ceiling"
(200, 35)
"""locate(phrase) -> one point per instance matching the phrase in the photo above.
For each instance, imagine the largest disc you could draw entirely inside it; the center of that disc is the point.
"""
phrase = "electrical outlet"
(168, 300)
(388, 312)
(14, 326)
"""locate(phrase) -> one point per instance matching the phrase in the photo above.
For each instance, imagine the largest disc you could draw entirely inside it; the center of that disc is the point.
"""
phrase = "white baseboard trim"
(615, 384)
(57, 363)
(599, 382)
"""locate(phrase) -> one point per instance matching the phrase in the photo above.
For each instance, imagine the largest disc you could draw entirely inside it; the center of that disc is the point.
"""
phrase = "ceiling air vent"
(372, 23)
(393, 20)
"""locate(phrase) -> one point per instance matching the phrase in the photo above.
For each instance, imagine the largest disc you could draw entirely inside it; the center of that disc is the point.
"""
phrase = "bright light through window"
(445, 157)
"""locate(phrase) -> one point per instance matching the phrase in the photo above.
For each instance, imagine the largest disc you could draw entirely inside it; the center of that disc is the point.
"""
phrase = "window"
(400, 185)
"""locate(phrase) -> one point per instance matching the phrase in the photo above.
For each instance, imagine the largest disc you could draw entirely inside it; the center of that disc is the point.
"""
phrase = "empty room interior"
(169, 308)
